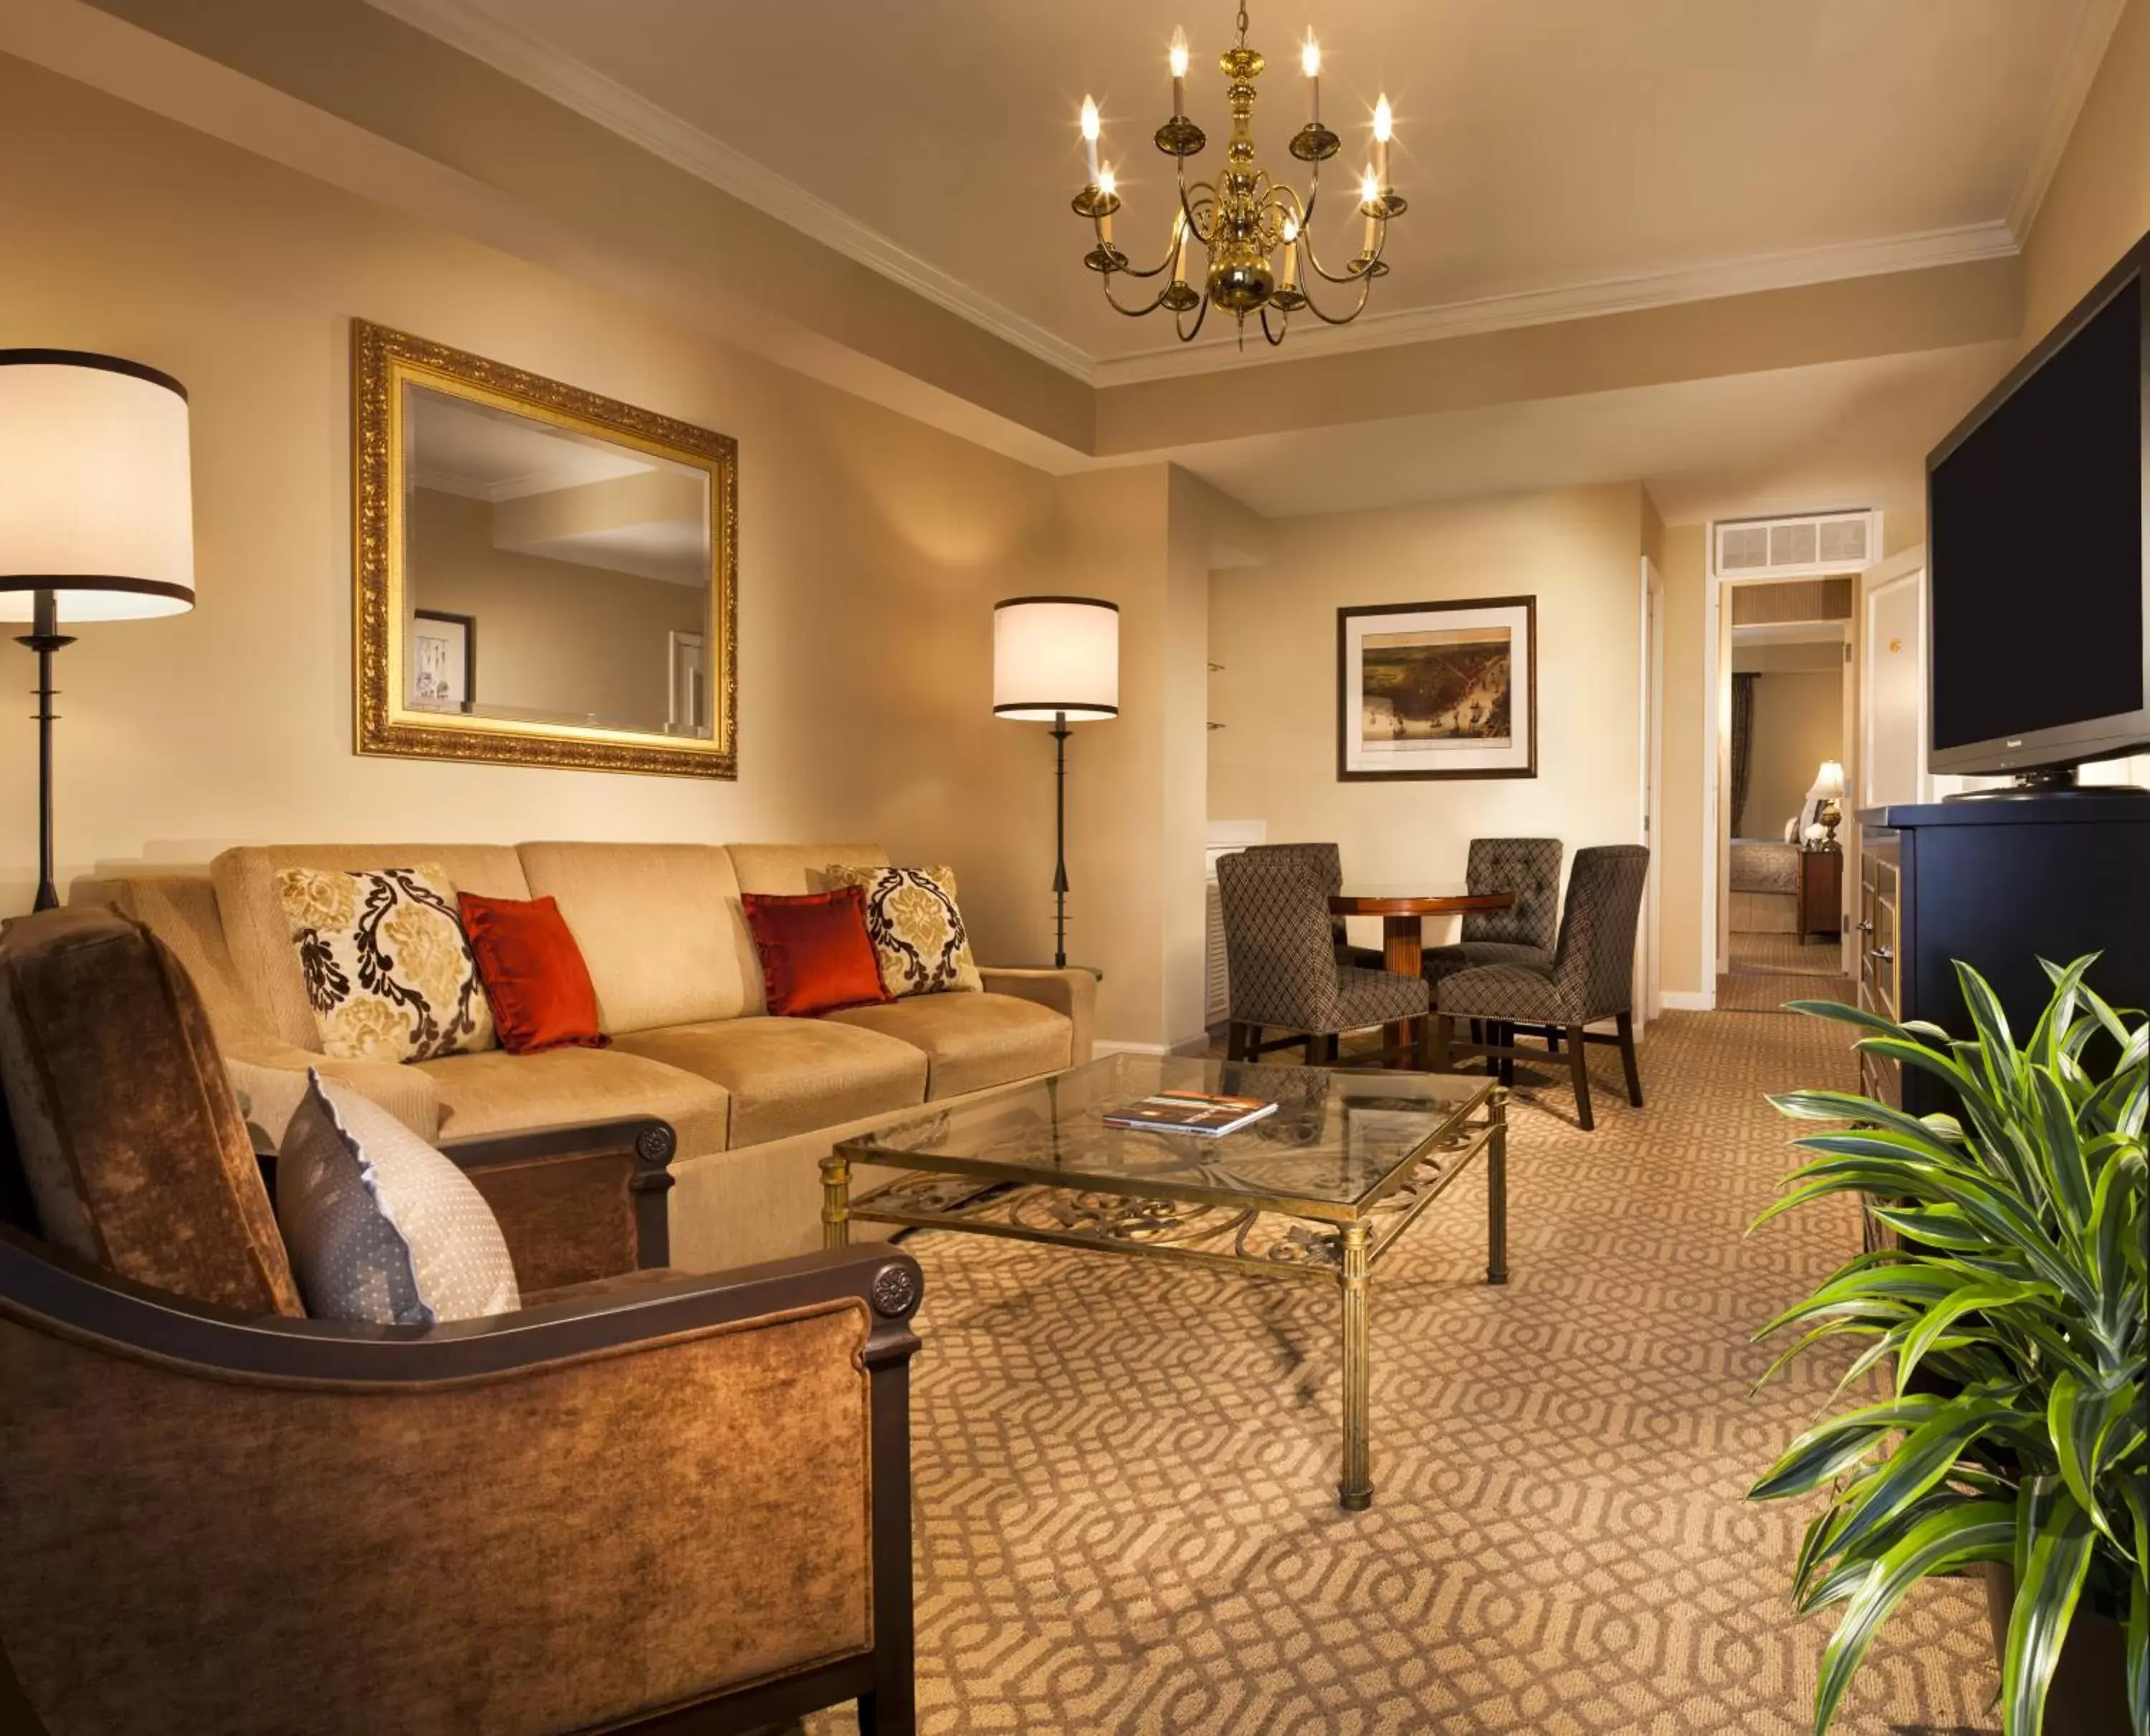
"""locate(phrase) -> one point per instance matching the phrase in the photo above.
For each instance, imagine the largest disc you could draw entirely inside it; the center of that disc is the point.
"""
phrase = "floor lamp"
(96, 514)
(1056, 660)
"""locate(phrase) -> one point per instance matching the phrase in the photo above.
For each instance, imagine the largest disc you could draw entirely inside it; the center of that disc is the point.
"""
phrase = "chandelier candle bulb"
(1288, 278)
(1090, 138)
(1105, 185)
(1370, 202)
(1179, 252)
(1178, 71)
(1310, 62)
(1384, 124)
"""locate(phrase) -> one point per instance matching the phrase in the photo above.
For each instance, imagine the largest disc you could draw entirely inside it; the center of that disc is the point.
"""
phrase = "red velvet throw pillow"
(533, 974)
(816, 955)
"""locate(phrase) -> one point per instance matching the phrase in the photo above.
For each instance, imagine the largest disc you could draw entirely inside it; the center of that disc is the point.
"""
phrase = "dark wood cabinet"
(1821, 891)
(1999, 884)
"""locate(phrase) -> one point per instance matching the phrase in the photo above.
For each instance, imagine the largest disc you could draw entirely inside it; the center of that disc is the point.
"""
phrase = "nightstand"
(1821, 891)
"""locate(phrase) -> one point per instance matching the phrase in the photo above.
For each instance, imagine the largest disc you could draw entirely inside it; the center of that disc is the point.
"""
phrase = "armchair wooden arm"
(578, 1201)
(681, 1506)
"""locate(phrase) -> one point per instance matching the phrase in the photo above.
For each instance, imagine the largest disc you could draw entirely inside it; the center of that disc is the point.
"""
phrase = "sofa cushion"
(382, 1228)
(498, 1093)
(791, 869)
(660, 928)
(129, 1135)
(918, 933)
(971, 1041)
(387, 968)
(259, 935)
(790, 1076)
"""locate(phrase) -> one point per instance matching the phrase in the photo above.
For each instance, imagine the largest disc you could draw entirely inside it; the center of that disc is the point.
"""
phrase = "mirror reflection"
(551, 576)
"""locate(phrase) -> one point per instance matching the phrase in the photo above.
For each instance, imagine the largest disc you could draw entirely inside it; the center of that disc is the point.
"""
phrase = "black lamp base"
(44, 638)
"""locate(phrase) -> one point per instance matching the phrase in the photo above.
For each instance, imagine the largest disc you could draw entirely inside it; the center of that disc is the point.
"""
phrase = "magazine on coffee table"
(1189, 1111)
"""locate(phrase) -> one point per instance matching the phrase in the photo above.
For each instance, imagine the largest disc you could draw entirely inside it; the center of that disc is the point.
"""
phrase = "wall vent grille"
(1797, 548)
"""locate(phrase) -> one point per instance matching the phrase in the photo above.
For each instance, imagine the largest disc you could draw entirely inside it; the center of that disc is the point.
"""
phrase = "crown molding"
(463, 25)
(2072, 82)
(1795, 269)
(468, 26)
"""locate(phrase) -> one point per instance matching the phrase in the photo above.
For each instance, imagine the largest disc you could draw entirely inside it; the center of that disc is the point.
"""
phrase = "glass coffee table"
(1321, 1189)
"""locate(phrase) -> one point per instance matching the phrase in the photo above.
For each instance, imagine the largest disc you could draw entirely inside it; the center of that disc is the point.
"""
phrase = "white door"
(1893, 700)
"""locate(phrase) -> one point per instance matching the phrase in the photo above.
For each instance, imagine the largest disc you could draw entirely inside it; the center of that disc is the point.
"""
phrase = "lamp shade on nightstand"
(1055, 658)
(96, 497)
(1829, 782)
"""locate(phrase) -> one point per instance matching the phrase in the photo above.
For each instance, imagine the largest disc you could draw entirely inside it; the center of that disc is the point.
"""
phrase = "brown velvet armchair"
(649, 1501)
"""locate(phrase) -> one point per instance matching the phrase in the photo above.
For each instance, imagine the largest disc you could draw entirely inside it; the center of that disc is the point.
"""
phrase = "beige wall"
(1799, 722)
(1679, 863)
(552, 636)
(2098, 203)
(1274, 628)
(872, 547)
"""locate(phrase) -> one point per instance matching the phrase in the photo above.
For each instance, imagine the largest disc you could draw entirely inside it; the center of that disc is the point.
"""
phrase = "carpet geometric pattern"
(1795, 954)
(1125, 1470)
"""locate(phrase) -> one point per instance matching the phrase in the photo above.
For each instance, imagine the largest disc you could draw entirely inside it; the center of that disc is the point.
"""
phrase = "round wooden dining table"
(1402, 909)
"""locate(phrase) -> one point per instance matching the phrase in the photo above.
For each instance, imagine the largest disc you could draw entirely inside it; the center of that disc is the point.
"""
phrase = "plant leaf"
(1943, 1315)
(2053, 1540)
(1977, 1531)
(1825, 1449)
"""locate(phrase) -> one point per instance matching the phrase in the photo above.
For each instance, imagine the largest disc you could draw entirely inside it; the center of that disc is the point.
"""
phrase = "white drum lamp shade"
(1055, 658)
(96, 491)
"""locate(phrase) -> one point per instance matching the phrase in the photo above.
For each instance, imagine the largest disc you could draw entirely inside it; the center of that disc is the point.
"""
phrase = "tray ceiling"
(1562, 157)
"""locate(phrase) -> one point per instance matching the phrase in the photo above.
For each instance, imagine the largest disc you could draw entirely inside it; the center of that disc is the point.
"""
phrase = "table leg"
(1355, 1492)
(1403, 951)
(836, 1201)
(1496, 1189)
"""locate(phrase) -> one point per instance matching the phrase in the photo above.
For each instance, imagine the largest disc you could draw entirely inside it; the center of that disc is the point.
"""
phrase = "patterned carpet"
(1793, 955)
(1125, 1470)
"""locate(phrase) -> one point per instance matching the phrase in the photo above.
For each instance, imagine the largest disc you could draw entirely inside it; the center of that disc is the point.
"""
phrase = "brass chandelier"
(1255, 231)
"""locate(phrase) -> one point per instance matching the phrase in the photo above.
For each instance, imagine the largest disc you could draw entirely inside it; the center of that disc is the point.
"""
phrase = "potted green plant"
(2010, 1316)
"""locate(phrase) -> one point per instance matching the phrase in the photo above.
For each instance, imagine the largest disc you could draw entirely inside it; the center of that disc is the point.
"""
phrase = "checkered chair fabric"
(1327, 860)
(1281, 951)
(1591, 973)
(1525, 932)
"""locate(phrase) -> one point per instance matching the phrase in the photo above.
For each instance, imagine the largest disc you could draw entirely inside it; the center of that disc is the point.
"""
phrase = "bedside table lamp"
(96, 514)
(1056, 660)
(1828, 790)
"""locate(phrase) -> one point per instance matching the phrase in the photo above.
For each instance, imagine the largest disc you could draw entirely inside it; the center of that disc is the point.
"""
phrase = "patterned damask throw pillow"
(387, 968)
(918, 932)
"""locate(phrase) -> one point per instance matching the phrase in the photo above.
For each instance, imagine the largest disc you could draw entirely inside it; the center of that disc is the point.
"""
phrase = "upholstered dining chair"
(1280, 950)
(1590, 978)
(1327, 860)
(1523, 934)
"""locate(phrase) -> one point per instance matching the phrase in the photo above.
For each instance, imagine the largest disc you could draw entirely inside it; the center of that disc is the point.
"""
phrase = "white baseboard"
(1687, 1000)
(1195, 1046)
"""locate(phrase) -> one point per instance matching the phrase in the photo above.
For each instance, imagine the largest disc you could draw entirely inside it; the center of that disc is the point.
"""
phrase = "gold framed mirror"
(542, 576)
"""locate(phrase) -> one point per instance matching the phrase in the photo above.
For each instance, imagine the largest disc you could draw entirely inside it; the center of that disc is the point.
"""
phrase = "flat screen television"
(2038, 543)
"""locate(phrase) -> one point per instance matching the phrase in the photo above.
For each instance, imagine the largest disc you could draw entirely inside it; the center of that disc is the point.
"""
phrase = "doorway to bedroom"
(1783, 813)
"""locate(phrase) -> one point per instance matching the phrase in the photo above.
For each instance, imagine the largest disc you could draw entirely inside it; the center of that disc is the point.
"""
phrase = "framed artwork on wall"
(1437, 689)
(443, 660)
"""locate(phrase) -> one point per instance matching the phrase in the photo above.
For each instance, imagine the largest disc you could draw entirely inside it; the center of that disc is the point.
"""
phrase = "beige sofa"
(755, 1101)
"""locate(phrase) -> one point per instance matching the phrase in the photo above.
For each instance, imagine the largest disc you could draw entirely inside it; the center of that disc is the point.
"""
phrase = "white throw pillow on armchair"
(380, 1227)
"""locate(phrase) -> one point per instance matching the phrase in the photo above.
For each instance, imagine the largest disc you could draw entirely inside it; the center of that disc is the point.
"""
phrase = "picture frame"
(1437, 689)
(443, 660)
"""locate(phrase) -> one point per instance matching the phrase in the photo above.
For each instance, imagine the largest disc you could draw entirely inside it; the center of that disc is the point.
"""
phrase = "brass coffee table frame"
(1278, 1235)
